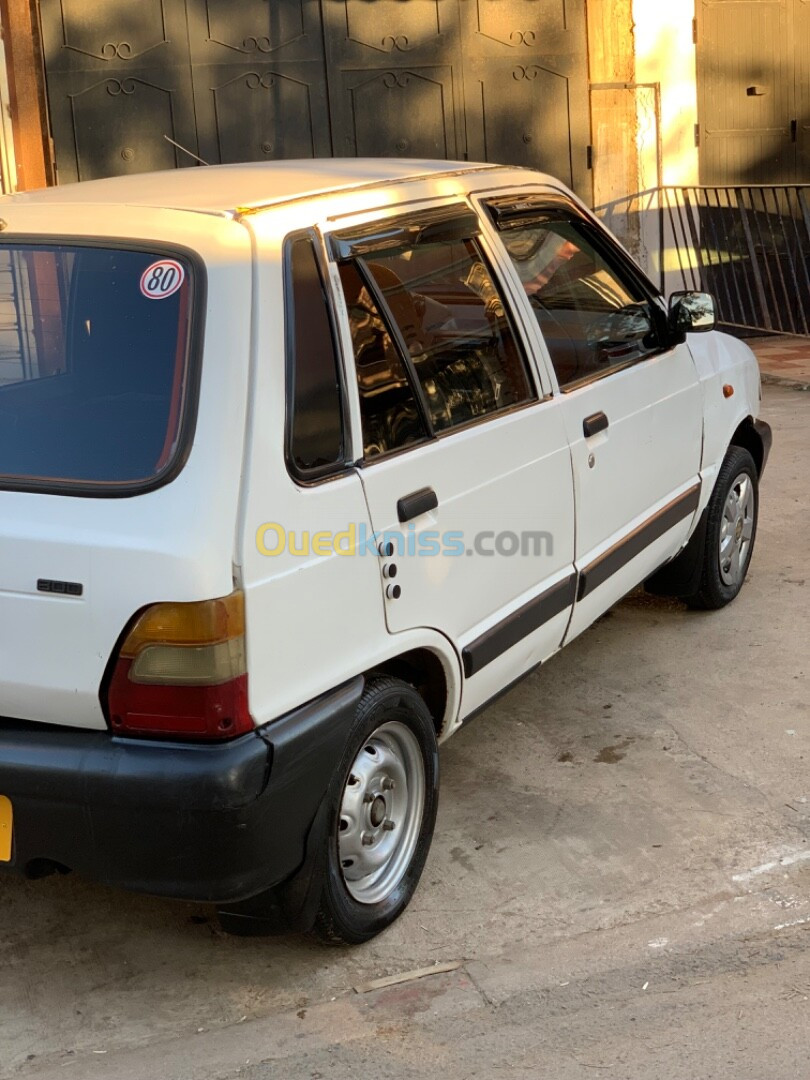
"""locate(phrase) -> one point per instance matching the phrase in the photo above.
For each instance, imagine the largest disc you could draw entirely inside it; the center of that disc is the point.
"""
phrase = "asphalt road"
(621, 872)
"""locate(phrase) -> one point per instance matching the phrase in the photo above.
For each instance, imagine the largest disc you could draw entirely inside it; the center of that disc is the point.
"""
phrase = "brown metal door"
(259, 79)
(747, 107)
(118, 78)
(526, 85)
(244, 80)
(395, 78)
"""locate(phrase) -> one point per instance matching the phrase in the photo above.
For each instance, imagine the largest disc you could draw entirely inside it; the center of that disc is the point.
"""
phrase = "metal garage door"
(241, 80)
(753, 65)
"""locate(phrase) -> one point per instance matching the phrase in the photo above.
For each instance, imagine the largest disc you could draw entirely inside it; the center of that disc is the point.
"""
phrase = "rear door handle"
(418, 502)
(593, 424)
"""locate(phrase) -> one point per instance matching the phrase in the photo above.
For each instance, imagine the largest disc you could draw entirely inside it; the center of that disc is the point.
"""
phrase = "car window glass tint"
(390, 414)
(591, 319)
(453, 323)
(94, 363)
(316, 429)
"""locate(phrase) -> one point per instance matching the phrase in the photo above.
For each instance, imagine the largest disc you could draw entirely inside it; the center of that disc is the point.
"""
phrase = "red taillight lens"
(180, 672)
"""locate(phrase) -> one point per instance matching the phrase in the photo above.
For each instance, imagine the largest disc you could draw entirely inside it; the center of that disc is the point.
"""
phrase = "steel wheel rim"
(381, 813)
(737, 530)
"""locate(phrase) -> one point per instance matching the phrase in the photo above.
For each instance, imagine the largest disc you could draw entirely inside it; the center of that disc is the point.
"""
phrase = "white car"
(301, 465)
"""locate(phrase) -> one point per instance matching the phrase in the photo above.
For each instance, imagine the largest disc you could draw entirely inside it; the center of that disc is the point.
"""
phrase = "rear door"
(466, 467)
(631, 400)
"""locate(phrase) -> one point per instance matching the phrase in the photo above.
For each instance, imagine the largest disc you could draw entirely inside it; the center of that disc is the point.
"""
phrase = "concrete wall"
(665, 54)
(643, 116)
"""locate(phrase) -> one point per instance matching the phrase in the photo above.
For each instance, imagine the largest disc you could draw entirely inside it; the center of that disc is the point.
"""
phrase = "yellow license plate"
(6, 817)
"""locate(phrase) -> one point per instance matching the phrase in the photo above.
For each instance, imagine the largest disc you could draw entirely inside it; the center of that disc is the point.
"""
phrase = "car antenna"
(185, 151)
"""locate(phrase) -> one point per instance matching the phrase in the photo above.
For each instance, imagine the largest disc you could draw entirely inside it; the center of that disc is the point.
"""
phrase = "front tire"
(730, 532)
(382, 806)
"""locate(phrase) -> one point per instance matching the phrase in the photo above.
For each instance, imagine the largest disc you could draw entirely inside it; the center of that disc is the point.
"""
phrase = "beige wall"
(665, 54)
(643, 133)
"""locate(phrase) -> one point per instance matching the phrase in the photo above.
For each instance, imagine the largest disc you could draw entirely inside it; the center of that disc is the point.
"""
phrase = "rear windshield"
(94, 365)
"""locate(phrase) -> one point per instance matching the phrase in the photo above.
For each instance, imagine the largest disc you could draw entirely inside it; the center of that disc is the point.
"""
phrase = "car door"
(465, 467)
(629, 394)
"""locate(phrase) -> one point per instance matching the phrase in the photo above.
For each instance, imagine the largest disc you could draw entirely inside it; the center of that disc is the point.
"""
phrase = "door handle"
(418, 502)
(593, 424)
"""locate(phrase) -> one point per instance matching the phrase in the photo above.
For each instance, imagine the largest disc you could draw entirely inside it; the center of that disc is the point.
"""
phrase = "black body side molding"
(612, 560)
(518, 625)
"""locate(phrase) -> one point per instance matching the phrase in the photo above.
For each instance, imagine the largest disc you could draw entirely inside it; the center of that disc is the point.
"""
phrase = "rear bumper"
(217, 822)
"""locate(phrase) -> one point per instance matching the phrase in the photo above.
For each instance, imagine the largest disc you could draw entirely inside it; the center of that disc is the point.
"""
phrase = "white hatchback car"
(301, 465)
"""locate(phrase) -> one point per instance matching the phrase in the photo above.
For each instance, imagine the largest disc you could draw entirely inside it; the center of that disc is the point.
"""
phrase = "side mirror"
(692, 313)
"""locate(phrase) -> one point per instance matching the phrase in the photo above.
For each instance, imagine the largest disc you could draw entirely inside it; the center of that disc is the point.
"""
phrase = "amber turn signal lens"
(728, 390)
(209, 622)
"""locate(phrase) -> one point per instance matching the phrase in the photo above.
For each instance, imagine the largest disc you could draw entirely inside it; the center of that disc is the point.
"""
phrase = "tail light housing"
(180, 672)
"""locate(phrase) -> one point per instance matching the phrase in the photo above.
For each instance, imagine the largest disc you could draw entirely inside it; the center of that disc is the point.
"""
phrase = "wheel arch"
(425, 670)
(748, 438)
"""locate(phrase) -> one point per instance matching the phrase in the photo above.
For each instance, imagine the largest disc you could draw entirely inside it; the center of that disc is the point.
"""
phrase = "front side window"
(425, 309)
(592, 318)
(94, 365)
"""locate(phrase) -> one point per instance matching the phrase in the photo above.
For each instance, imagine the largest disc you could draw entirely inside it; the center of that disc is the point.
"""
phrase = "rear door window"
(94, 365)
(434, 344)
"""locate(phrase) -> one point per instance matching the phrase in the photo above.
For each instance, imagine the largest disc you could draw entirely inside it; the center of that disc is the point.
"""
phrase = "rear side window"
(94, 365)
(315, 413)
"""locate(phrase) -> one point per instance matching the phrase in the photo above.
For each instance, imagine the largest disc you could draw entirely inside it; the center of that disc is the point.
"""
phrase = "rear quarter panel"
(174, 543)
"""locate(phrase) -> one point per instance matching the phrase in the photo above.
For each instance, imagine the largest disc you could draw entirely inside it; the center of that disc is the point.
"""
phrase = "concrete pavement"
(621, 867)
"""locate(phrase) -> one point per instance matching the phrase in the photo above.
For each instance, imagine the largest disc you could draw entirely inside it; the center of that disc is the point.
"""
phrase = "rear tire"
(382, 804)
(730, 532)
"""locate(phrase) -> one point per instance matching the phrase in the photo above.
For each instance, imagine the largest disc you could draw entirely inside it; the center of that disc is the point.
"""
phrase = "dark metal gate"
(244, 80)
(753, 67)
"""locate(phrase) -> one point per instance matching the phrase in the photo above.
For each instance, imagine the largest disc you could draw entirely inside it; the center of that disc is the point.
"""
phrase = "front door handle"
(593, 424)
(418, 502)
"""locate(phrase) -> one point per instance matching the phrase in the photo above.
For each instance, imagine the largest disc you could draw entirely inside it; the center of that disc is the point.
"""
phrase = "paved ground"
(783, 359)
(621, 870)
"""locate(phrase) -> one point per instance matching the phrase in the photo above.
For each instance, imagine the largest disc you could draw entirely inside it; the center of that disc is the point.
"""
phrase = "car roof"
(230, 189)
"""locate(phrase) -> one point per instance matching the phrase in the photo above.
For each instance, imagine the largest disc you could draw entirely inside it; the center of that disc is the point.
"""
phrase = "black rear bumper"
(217, 822)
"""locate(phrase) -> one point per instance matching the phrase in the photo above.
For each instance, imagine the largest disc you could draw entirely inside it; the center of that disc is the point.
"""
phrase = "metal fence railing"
(749, 245)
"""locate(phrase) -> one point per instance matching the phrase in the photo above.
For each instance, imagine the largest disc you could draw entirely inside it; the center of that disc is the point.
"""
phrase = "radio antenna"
(185, 151)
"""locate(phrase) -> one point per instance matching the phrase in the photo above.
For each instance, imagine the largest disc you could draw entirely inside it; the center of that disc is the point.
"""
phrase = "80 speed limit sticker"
(162, 279)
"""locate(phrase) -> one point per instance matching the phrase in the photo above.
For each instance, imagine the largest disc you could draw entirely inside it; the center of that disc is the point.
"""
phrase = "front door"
(631, 400)
(465, 467)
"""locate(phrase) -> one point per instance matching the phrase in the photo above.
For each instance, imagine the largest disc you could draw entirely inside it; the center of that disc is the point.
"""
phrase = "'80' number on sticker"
(162, 279)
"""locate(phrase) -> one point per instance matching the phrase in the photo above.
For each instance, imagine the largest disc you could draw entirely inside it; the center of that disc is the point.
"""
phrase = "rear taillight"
(181, 673)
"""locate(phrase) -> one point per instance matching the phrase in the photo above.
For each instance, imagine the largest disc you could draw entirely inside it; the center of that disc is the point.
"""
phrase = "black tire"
(341, 917)
(714, 591)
